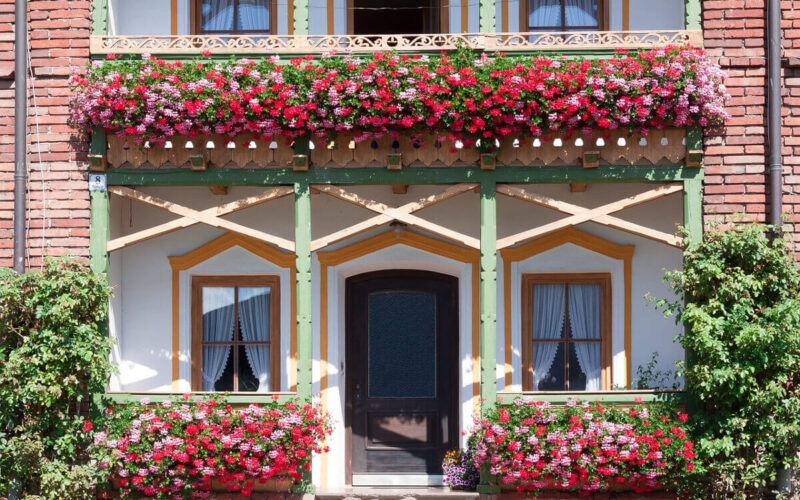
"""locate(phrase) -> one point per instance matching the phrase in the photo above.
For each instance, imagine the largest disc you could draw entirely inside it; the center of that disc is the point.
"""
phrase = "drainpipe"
(774, 159)
(20, 129)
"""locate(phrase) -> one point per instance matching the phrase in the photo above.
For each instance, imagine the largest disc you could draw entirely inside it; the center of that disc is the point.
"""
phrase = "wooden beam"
(397, 214)
(381, 219)
(400, 188)
(199, 216)
(588, 215)
(218, 190)
(228, 208)
(606, 220)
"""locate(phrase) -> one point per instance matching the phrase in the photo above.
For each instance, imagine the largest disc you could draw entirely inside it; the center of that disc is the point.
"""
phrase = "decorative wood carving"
(616, 148)
(298, 44)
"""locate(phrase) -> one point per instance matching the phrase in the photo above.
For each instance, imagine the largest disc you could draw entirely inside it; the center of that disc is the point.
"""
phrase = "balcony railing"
(303, 44)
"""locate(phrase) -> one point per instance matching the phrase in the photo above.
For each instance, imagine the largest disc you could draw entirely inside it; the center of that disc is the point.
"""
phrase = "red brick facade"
(736, 183)
(58, 209)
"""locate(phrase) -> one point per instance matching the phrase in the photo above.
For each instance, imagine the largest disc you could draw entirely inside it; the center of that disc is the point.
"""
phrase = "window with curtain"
(235, 333)
(234, 16)
(563, 15)
(566, 332)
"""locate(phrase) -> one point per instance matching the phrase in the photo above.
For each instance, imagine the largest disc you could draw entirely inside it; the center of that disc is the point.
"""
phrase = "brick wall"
(58, 208)
(734, 32)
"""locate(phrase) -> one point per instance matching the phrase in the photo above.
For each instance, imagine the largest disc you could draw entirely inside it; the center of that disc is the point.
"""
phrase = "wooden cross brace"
(389, 214)
(600, 215)
(191, 217)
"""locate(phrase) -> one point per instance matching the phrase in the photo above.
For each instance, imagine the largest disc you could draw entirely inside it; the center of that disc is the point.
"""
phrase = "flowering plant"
(462, 96)
(459, 468)
(178, 447)
(531, 445)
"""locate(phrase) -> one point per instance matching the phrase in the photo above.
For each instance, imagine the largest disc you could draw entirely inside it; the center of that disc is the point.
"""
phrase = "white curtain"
(580, 12)
(548, 319)
(584, 320)
(544, 13)
(217, 15)
(254, 320)
(253, 15)
(218, 323)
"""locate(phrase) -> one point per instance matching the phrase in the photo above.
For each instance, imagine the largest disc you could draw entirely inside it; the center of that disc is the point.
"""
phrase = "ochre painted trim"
(626, 15)
(465, 16)
(374, 244)
(203, 253)
(581, 239)
(329, 9)
(173, 12)
(290, 16)
(504, 13)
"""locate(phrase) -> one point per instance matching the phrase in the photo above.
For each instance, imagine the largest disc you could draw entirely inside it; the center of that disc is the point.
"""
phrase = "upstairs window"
(563, 15)
(235, 334)
(397, 17)
(566, 332)
(234, 16)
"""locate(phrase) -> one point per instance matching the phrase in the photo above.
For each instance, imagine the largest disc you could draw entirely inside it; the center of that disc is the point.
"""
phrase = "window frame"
(602, 19)
(602, 279)
(236, 281)
(196, 18)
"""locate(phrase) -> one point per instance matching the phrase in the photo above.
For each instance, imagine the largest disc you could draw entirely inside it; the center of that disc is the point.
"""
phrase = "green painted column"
(693, 14)
(300, 17)
(305, 351)
(100, 17)
(487, 19)
(488, 310)
(693, 206)
(302, 233)
(99, 231)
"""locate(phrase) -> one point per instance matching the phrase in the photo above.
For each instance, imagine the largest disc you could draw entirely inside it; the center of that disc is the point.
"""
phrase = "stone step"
(394, 493)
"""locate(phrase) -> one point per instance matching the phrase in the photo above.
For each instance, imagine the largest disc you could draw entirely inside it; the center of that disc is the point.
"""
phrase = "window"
(562, 15)
(235, 333)
(234, 16)
(566, 332)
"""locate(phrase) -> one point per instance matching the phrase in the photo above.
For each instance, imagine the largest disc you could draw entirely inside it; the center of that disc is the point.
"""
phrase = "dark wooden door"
(402, 383)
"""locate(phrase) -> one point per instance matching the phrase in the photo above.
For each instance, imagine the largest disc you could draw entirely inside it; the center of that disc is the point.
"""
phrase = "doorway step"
(376, 493)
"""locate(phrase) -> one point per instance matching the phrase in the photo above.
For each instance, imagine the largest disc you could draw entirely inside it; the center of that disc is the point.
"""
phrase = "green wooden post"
(100, 17)
(488, 310)
(693, 14)
(486, 15)
(305, 352)
(301, 17)
(99, 230)
(693, 207)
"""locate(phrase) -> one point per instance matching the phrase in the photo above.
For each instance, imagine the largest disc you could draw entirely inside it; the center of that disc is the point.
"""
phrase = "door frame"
(453, 355)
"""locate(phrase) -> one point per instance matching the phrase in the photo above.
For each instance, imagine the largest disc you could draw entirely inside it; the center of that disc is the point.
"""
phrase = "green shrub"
(54, 354)
(739, 299)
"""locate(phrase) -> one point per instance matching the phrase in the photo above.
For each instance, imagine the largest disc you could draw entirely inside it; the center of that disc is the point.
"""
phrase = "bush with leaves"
(54, 354)
(739, 295)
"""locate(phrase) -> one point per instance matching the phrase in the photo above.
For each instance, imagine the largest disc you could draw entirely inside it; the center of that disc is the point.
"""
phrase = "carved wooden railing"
(666, 146)
(298, 44)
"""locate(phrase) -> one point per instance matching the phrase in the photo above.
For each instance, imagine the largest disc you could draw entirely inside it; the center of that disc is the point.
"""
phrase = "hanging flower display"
(533, 446)
(181, 448)
(460, 96)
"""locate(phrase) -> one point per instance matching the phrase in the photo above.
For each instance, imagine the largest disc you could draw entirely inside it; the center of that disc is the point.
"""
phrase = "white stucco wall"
(141, 309)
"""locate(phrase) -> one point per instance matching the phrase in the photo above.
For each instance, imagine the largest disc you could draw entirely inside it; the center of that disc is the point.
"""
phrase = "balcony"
(584, 42)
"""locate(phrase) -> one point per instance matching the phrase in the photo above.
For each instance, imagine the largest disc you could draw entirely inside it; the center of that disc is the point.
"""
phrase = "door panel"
(402, 345)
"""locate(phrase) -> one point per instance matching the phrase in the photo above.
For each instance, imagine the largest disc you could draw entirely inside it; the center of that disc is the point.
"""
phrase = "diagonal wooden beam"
(606, 220)
(183, 222)
(381, 219)
(199, 216)
(587, 215)
(400, 215)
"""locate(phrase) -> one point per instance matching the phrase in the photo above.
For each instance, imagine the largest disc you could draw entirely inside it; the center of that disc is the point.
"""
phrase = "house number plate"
(97, 182)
